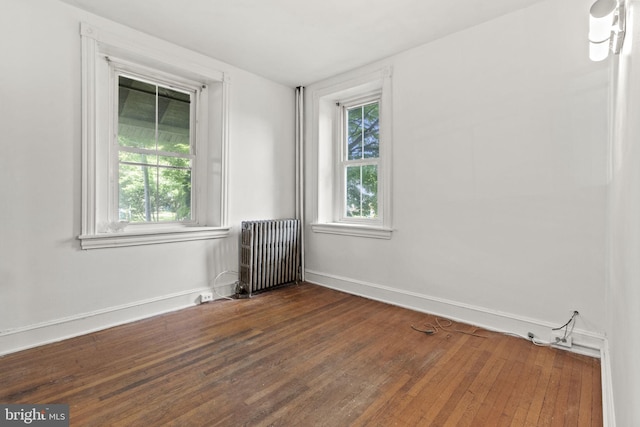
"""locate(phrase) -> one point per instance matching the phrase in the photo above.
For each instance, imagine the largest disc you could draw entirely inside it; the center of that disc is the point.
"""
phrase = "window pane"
(136, 113)
(142, 105)
(362, 191)
(154, 194)
(362, 132)
(137, 193)
(173, 121)
(154, 188)
(354, 133)
(174, 195)
(370, 125)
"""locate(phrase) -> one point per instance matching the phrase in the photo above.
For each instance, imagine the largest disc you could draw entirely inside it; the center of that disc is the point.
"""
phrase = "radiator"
(269, 255)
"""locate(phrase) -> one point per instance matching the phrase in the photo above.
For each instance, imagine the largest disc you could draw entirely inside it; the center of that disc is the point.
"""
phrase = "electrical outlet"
(206, 297)
(558, 338)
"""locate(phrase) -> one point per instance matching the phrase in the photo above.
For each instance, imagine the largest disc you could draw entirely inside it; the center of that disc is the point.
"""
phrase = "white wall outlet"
(206, 297)
(558, 339)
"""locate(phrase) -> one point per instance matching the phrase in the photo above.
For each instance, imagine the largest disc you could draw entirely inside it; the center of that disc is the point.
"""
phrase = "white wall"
(49, 288)
(499, 179)
(623, 292)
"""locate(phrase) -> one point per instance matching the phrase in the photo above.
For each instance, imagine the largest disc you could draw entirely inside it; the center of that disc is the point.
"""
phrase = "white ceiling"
(297, 42)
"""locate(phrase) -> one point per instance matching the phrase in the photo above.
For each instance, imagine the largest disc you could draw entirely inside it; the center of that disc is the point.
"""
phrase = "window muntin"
(155, 151)
(360, 160)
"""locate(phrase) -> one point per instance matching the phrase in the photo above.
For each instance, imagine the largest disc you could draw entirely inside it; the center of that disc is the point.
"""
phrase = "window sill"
(151, 237)
(355, 230)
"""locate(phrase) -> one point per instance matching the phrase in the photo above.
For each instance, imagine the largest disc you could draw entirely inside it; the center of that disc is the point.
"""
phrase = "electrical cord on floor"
(426, 331)
(215, 290)
(540, 343)
(444, 325)
(531, 338)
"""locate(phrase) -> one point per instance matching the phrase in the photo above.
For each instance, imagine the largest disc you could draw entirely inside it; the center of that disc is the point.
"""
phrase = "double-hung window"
(360, 158)
(154, 142)
(351, 137)
(155, 150)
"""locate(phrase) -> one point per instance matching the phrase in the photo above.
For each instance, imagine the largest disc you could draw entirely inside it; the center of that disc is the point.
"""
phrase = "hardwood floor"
(304, 356)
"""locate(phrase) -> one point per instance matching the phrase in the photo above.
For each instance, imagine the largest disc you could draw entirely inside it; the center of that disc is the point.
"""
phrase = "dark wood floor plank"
(562, 408)
(521, 395)
(492, 408)
(423, 398)
(476, 393)
(304, 355)
(586, 398)
(596, 404)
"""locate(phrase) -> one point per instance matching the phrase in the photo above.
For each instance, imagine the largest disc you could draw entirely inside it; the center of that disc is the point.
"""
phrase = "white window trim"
(132, 47)
(327, 145)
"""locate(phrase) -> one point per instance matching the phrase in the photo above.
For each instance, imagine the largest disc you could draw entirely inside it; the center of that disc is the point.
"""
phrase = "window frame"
(327, 136)
(102, 53)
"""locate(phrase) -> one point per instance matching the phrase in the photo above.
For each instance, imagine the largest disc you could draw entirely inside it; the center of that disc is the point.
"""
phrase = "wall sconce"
(606, 28)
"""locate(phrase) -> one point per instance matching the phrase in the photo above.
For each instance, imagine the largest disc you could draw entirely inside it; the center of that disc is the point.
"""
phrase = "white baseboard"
(608, 413)
(584, 342)
(23, 338)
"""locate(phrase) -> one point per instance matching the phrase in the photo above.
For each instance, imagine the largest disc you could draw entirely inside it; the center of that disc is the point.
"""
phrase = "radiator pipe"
(300, 173)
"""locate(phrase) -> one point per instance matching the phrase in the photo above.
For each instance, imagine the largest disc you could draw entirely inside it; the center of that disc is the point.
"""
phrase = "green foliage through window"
(362, 191)
(361, 163)
(155, 154)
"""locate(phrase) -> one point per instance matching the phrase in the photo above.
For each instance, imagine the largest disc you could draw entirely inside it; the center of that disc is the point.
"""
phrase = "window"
(155, 151)
(360, 157)
(154, 142)
(351, 135)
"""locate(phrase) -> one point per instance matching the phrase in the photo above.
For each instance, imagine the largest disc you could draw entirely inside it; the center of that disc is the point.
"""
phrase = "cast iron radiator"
(269, 254)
